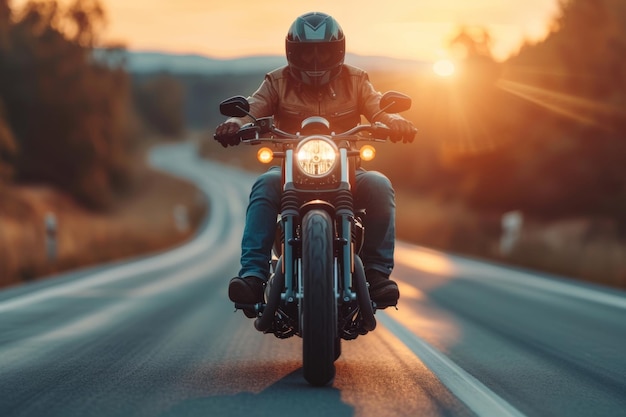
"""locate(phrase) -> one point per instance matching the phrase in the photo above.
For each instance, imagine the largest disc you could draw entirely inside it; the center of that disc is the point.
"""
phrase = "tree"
(160, 102)
(69, 112)
(8, 150)
(566, 101)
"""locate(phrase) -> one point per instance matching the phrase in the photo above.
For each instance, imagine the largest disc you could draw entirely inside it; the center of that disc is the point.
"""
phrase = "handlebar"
(239, 106)
(249, 134)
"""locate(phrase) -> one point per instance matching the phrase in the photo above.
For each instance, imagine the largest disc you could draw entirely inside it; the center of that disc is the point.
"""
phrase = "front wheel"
(319, 307)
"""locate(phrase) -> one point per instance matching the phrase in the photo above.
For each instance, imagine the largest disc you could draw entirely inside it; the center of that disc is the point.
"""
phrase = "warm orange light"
(429, 261)
(367, 153)
(265, 155)
(444, 68)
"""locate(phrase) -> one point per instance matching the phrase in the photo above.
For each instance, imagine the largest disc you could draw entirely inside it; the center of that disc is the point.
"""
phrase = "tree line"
(543, 132)
(561, 104)
(69, 114)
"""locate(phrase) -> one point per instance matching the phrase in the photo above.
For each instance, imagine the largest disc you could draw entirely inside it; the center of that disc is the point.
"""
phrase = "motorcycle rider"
(316, 82)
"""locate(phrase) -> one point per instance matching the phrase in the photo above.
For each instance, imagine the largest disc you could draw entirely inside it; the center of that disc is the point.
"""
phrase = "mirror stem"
(248, 113)
(379, 112)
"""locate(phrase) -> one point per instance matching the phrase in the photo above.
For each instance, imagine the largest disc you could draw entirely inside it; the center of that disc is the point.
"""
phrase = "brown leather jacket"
(341, 102)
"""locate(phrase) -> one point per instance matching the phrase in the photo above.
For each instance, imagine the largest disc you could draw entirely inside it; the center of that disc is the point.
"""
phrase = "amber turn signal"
(368, 152)
(265, 155)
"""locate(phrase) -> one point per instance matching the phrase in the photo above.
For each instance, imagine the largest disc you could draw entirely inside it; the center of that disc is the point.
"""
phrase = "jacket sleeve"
(369, 100)
(263, 102)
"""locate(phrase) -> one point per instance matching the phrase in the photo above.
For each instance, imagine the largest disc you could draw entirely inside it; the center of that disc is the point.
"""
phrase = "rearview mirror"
(395, 102)
(237, 106)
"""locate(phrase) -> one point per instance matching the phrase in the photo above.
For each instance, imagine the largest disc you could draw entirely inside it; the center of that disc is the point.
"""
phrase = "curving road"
(157, 337)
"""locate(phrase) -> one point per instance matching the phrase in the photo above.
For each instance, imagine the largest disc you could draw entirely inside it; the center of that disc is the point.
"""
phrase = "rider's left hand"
(402, 130)
(226, 134)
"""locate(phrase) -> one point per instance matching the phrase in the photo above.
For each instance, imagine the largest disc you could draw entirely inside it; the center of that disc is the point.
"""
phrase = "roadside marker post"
(51, 227)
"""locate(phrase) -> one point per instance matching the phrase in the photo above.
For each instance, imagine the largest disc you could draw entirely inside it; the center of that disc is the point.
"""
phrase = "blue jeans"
(373, 192)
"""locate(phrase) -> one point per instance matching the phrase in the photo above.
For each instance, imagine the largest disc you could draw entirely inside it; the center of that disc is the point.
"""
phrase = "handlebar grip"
(381, 131)
(248, 132)
(257, 308)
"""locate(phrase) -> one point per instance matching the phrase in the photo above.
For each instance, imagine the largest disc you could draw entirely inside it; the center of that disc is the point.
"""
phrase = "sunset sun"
(444, 68)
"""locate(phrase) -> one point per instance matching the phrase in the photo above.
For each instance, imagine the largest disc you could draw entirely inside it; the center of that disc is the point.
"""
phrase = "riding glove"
(402, 130)
(226, 134)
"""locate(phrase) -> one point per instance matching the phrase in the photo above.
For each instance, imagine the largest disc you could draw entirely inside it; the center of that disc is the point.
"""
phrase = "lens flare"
(444, 68)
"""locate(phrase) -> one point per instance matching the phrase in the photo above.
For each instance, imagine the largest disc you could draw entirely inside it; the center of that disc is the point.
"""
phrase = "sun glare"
(444, 68)
(576, 108)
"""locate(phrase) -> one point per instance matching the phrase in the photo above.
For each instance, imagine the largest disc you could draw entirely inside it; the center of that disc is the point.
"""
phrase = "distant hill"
(207, 81)
(154, 61)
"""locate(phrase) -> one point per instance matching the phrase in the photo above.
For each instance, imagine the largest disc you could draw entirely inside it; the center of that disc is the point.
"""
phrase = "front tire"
(319, 307)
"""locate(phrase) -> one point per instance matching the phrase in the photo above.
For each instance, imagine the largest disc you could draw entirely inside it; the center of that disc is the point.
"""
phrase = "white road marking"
(114, 274)
(478, 398)
(208, 250)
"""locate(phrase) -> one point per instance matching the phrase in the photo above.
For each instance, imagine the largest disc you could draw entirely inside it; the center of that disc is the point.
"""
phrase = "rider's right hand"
(226, 134)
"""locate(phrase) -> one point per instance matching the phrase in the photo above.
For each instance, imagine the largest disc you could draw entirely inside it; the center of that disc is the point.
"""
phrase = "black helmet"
(315, 47)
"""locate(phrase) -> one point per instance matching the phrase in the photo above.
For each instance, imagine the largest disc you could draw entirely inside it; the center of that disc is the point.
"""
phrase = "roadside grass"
(139, 224)
(584, 249)
(576, 248)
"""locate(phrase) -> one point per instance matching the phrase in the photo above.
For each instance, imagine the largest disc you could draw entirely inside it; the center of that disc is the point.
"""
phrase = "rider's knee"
(268, 183)
(377, 183)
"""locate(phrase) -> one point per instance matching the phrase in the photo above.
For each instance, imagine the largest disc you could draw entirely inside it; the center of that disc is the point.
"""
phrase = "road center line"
(474, 394)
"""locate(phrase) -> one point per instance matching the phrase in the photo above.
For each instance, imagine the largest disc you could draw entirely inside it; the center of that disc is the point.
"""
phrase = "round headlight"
(316, 157)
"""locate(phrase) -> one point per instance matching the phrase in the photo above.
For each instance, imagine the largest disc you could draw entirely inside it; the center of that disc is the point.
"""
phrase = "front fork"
(344, 214)
(289, 214)
(344, 209)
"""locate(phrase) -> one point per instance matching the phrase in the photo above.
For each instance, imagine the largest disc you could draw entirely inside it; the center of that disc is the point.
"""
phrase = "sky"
(412, 29)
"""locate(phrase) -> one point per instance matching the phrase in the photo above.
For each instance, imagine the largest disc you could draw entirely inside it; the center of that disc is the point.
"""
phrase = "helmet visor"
(316, 56)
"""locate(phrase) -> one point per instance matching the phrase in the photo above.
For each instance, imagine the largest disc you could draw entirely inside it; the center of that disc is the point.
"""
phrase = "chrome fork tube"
(345, 169)
(288, 219)
(288, 166)
(346, 230)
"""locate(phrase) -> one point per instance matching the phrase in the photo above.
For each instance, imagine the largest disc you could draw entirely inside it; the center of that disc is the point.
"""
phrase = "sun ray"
(470, 133)
(581, 109)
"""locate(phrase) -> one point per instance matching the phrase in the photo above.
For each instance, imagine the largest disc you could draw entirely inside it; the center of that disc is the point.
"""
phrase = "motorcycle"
(317, 288)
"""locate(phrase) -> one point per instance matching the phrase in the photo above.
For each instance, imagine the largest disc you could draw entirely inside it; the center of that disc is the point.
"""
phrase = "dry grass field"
(584, 249)
(139, 224)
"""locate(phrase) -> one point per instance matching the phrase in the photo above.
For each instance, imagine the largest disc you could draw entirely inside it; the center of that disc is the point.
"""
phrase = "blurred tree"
(564, 111)
(160, 100)
(472, 43)
(5, 14)
(474, 98)
(8, 149)
(69, 112)
(84, 21)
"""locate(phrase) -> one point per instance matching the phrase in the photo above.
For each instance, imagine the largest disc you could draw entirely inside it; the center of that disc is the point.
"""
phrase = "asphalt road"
(157, 336)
